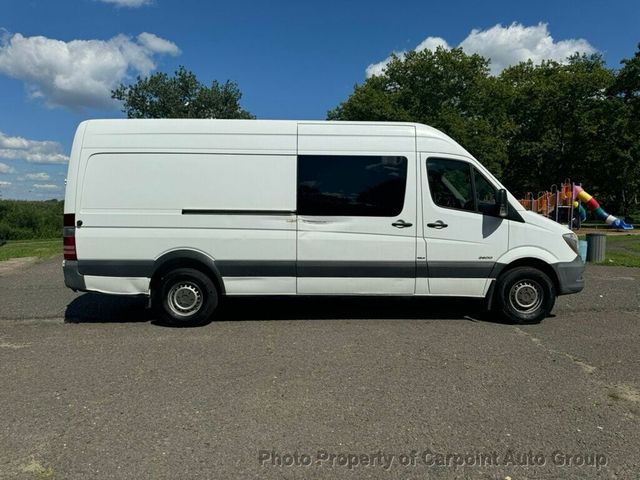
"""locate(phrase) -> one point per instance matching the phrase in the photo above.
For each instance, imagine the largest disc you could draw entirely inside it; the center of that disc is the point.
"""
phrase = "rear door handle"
(401, 224)
(439, 224)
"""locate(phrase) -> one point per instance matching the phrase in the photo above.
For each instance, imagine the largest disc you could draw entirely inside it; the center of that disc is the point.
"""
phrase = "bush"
(24, 220)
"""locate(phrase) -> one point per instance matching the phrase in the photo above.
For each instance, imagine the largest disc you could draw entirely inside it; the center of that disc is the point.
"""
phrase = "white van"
(188, 211)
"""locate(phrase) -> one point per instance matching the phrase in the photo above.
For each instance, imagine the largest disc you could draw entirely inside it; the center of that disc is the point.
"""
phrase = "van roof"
(265, 127)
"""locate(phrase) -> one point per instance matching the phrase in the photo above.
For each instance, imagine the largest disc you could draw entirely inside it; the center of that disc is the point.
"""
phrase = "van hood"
(544, 222)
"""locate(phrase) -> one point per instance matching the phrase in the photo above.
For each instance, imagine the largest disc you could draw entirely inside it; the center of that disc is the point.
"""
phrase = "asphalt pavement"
(296, 388)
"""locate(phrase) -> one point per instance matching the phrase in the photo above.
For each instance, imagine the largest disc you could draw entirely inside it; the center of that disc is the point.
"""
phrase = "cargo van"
(189, 211)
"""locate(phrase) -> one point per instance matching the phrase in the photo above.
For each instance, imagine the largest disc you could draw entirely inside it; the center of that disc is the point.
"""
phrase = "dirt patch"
(624, 392)
(8, 267)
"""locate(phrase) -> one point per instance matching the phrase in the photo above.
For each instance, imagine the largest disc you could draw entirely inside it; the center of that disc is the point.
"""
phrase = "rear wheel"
(524, 295)
(185, 297)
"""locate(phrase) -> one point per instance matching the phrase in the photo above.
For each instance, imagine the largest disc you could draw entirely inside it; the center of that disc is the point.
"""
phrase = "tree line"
(533, 125)
(25, 220)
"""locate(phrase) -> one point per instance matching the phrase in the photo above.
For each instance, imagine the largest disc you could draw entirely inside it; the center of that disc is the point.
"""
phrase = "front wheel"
(524, 295)
(185, 297)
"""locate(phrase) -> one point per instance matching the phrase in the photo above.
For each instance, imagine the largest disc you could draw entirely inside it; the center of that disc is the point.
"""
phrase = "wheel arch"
(186, 258)
(500, 269)
(536, 263)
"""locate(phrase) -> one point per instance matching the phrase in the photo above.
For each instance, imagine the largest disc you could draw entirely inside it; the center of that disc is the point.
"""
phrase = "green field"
(31, 248)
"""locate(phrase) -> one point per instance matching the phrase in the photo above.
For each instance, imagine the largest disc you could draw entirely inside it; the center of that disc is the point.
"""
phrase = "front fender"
(528, 251)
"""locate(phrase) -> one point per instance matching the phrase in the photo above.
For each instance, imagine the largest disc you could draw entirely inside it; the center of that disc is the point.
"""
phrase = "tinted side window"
(371, 186)
(450, 183)
(485, 193)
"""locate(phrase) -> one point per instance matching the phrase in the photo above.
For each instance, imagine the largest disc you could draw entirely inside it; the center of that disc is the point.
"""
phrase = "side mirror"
(502, 203)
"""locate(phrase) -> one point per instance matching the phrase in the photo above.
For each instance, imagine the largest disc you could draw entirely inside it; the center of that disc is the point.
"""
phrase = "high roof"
(427, 138)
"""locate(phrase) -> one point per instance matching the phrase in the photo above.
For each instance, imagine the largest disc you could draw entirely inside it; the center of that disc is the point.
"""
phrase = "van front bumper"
(72, 277)
(570, 279)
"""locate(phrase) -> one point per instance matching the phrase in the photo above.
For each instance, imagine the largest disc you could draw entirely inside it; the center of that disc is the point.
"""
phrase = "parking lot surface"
(300, 388)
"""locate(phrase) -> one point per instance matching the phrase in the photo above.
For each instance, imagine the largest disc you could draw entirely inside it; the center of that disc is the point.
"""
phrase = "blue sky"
(290, 59)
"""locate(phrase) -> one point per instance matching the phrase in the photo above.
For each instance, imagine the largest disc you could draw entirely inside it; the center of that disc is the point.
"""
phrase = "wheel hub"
(526, 296)
(184, 299)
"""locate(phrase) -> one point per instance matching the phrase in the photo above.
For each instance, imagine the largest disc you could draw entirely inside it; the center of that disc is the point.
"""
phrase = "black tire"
(524, 295)
(185, 297)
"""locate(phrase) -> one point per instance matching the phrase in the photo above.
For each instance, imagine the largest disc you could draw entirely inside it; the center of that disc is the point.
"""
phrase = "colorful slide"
(593, 205)
(581, 211)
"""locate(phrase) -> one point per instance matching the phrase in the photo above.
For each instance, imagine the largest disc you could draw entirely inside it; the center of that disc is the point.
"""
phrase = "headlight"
(572, 241)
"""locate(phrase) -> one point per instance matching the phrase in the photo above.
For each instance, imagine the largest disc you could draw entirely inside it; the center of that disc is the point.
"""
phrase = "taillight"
(69, 237)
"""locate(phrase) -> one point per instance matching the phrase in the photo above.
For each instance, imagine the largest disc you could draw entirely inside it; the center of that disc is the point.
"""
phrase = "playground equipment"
(564, 206)
(598, 211)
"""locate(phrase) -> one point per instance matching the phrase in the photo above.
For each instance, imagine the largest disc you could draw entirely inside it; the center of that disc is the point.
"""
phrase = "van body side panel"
(117, 285)
(136, 205)
(117, 183)
(350, 253)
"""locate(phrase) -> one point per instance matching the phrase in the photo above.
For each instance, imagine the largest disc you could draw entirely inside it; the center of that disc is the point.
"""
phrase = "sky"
(59, 59)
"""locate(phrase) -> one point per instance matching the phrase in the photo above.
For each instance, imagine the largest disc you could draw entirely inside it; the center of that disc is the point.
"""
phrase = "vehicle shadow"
(97, 308)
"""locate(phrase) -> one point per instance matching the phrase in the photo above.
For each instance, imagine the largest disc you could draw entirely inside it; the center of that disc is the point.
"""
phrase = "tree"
(627, 90)
(180, 96)
(532, 125)
(446, 89)
(561, 115)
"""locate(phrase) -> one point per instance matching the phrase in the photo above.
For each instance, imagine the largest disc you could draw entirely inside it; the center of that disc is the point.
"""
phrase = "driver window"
(450, 183)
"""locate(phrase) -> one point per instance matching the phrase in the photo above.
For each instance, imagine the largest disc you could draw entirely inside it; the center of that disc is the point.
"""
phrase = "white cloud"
(505, 46)
(378, 68)
(516, 43)
(128, 3)
(429, 43)
(4, 184)
(156, 44)
(80, 73)
(38, 176)
(45, 186)
(34, 151)
(4, 168)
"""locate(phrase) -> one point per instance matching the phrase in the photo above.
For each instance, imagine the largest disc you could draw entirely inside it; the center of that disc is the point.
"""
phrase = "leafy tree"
(626, 89)
(446, 89)
(568, 125)
(180, 96)
(558, 113)
(532, 125)
(20, 220)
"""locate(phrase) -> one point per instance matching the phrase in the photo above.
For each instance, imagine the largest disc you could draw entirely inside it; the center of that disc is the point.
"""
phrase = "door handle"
(401, 224)
(439, 224)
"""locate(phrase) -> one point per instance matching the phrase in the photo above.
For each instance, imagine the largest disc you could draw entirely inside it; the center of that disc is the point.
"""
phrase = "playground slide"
(593, 205)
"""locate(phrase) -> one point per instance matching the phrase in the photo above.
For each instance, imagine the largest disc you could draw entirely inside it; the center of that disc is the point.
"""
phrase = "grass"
(623, 251)
(31, 248)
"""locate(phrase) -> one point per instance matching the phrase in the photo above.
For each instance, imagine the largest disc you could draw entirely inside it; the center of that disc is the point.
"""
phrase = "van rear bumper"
(570, 279)
(72, 277)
